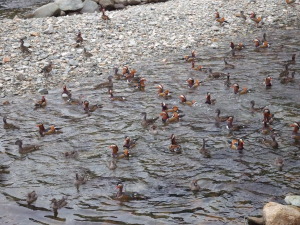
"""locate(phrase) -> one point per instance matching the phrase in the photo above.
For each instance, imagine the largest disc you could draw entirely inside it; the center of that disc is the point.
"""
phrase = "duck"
(285, 72)
(79, 180)
(194, 186)
(236, 56)
(127, 196)
(268, 116)
(266, 129)
(190, 58)
(7, 125)
(115, 150)
(166, 119)
(86, 53)
(268, 82)
(104, 16)
(183, 100)
(47, 69)
(129, 143)
(236, 90)
(51, 130)
(79, 39)
(131, 76)
(227, 82)
(257, 20)
(255, 109)
(73, 101)
(174, 147)
(209, 100)
(198, 68)
(112, 165)
(125, 71)
(220, 20)
(66, 93)
(58, 204)
(71, 154)
(237, 144)
(140, 84)
(108, 84)
(145, 121)
(116, 98)
(290, 2)
(279, 163)
(215, 74)
(271, 143)
(166, 94)
(117, 75)
(175, 109)
(31, 197)
(241, 15)
(292, 61)
(160, 88)
(219, 118)
(238, 47)
(192, 83)
(23, 48)
(286, 80)
(87, 108)
(41, 103)
(295, 134)
(227, 65)
(26, 149)
(232, 126)
(204, 151)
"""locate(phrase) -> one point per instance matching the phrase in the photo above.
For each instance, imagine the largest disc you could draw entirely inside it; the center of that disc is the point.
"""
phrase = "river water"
(233, 185)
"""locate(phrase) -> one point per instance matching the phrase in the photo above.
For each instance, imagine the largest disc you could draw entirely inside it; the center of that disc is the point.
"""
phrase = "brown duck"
(26, 149)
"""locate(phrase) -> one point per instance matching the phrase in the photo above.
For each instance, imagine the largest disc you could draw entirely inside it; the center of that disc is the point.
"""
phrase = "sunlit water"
(233, 185)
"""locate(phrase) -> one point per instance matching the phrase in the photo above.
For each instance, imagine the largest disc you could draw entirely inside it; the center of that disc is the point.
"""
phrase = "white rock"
(69, 5)
(293, 200)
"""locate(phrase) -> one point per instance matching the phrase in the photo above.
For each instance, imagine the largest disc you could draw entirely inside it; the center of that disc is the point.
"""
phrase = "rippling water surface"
(233, 185)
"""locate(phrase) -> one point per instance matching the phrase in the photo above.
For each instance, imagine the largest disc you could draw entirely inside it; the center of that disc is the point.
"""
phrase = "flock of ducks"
(129, 75)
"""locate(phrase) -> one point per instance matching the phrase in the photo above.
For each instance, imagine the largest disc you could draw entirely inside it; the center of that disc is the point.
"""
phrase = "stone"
(47, 10)
(255, 221)
(119, 6)
(35, 34)
(277, 214)
(43, 91)
(90, 7)
(49, 30)
(106, 3)
(69, 5)
(73, 62)
(124, 2)
(6, 59)
(293, 200)
(134, 2)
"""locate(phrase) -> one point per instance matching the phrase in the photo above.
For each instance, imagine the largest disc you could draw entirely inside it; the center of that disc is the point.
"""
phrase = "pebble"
(154, 30)
(43, 91)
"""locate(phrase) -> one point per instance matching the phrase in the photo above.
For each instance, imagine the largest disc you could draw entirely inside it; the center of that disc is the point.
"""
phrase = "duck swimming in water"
(174, 147)
(219, 118)
(109, 84)
(279, 163)
(255, 109)
(236, 89)
(268, 82)
(116, 98)
(204, 151)
(192, 83)
(209, 100)
(41, 103)
(127, 196)
(51, 130)
(271, 143)
(27, 148)
(268, 116)
(237, 144)
(194, 186)
(8, 126)
(66, 93)
(184, 101)
(295, 134)
(145, 121)
(79, 180)
(232, 126)
(129, 143)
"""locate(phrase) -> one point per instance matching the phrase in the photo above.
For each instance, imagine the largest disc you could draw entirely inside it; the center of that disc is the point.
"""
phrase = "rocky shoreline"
(131, 36)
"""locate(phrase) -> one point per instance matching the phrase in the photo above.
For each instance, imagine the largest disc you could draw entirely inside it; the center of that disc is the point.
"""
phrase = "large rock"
(90, 7)
(107, 3)
(124, 2)
(293, 200)
(134, 2)
(48, 10)
(69, 5)
(277, 214)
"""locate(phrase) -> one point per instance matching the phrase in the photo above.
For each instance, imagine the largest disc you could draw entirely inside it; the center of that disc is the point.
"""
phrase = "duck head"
(164, 116)
(231, 45)
(296, 127)
(236, 88)
(173, 140)
(240, 144)
(125, 70)
(114, 149)
(182, 98)
(190, 82)
(164, 107)
(208, 98)
(268, 81)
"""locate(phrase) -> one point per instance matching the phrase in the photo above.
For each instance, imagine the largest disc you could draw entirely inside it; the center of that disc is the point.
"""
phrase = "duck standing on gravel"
(23, 48)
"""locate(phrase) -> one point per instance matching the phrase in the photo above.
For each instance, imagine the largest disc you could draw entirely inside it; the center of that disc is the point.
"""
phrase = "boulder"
(293, 200)
(124, 2)
(107, 3)
(134, 2)
(119, 6)
(69, 5)
(90, 6)
(48, 10)
(277, 214)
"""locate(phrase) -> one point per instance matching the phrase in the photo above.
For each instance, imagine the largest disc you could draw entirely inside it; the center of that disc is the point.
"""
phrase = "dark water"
(10, 8)
(233, 185)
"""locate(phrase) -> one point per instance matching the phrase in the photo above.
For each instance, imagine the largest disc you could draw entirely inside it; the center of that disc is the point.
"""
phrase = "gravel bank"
(132, 35)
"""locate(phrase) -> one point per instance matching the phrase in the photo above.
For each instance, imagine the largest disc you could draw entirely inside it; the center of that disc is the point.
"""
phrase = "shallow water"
(233, 185)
